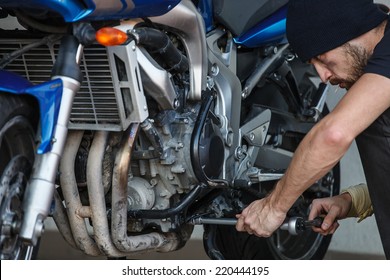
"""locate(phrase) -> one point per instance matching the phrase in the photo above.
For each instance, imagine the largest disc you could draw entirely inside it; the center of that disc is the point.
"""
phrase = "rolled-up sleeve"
(361, 202)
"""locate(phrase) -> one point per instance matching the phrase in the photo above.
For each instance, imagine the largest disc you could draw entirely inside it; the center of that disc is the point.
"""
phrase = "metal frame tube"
(186, 18)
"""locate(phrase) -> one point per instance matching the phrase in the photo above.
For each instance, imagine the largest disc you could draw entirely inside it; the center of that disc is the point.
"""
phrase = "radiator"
(99, 105)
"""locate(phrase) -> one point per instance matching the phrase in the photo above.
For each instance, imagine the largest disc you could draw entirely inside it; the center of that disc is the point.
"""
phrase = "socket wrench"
(294, 225)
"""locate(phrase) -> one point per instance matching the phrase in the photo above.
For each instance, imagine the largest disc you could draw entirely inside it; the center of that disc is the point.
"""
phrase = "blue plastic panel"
(205, 8)
(271, 30)
(74, 10)
(70, 10)
(49, 96)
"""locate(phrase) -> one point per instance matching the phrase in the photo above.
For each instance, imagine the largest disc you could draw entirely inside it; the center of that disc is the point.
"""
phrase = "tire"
(281, 245)
(17, 146)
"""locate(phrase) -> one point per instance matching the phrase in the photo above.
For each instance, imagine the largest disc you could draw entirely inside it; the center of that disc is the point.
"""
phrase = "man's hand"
(260, 218)
(336, 207)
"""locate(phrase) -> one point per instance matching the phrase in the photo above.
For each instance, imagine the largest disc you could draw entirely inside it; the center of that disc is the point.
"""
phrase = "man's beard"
(357, 58)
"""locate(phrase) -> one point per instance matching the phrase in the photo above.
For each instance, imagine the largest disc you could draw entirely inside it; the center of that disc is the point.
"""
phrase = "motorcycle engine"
(159, 180)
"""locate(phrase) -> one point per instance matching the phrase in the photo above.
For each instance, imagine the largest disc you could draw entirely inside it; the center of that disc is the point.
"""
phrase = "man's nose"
(323, 72)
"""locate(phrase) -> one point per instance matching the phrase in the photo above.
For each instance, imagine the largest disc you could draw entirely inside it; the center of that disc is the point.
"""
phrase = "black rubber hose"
(207, 101)
(157, 43)
(66, 64)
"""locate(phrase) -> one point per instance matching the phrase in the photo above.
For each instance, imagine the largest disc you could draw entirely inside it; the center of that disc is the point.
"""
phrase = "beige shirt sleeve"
(361, 202)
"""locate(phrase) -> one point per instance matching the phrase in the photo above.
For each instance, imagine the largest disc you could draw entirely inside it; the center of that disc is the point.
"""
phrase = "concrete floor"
(53, 247)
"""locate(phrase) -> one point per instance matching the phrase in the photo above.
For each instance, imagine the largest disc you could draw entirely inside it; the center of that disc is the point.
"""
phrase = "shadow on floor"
(53, 247)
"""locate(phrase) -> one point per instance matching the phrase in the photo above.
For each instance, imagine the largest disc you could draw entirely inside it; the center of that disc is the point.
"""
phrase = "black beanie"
(317, 26)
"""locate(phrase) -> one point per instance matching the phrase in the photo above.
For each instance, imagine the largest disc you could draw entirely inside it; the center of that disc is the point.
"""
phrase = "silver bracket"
(257, 175)
(255, 131)
(129, 91)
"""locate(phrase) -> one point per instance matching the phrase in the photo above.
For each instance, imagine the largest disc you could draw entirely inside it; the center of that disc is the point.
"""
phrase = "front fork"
(40, 189)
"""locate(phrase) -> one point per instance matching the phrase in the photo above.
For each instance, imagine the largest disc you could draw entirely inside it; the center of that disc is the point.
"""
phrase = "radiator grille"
(95, 106)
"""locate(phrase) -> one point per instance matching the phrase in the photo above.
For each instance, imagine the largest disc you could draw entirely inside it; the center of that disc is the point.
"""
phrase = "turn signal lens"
(108, 36)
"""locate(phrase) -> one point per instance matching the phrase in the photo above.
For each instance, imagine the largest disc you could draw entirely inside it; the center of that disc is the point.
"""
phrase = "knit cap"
(317, 26)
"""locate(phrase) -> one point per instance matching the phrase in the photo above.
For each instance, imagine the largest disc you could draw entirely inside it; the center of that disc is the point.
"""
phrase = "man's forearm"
(328, 141)
(318, 153)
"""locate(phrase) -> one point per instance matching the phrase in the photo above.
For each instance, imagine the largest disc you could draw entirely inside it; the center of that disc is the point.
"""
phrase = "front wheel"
(16, 158)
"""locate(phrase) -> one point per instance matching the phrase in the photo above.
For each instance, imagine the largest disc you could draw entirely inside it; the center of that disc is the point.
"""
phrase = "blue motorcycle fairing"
(70, 10)
(271, 30)
(75, 10)
(205, 8)
(103, 10)
(49, 96)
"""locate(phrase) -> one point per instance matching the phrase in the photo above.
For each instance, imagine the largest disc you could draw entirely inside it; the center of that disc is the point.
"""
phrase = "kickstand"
(209, 243)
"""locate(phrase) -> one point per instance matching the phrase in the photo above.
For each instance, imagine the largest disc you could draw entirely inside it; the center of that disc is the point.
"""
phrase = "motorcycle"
(130, 122)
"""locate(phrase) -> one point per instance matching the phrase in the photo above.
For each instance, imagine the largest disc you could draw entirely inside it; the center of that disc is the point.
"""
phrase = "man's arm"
(361, 206)
(335, 208)
(353, 202)
(318, 152)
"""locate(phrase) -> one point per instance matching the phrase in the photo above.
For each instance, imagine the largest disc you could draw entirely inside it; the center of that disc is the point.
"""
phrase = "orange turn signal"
(108, 36)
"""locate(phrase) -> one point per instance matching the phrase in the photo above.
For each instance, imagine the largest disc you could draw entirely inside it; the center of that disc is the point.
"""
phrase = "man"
(348, 42)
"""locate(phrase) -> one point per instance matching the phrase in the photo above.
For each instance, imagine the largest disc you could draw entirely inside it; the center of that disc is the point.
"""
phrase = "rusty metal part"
(137, 243)
(72, 198)
(96, 196)
(62, 222)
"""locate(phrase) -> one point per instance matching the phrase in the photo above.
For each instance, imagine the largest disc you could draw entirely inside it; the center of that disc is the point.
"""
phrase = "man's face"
(342, 66)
